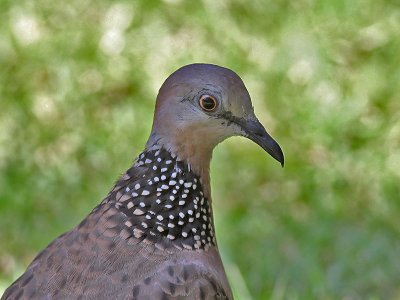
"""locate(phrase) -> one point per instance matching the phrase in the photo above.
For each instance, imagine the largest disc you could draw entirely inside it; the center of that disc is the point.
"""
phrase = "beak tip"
(280, 158)
(256, 132)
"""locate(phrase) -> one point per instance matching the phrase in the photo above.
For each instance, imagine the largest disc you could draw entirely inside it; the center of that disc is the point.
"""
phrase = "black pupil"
(208, 103)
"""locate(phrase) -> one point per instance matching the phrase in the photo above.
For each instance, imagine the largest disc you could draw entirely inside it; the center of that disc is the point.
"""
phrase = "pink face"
(200, 105)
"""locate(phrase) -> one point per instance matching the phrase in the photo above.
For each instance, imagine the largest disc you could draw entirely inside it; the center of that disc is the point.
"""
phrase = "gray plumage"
(153, 236)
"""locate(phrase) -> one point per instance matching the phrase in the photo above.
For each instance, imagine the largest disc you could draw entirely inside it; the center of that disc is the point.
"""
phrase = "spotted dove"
(153, 237)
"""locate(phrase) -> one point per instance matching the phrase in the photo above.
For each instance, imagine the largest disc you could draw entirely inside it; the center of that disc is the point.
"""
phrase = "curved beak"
(256, 132)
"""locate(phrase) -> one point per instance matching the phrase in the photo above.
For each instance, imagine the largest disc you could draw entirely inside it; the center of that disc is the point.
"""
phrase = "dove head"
(199, 106)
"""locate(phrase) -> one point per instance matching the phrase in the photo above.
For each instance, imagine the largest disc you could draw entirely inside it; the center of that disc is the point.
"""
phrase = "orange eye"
(208, 103)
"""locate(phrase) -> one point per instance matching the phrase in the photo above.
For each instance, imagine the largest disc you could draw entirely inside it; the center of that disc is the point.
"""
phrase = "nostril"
(259, 133)
(256, 128)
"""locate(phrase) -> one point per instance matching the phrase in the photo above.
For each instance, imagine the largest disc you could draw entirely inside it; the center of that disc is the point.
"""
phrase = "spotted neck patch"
(165, 204)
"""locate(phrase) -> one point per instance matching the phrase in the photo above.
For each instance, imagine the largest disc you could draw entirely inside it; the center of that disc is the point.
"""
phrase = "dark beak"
(256, 132)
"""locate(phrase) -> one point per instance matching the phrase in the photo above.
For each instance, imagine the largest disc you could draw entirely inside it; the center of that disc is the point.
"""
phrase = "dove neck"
(164, 201)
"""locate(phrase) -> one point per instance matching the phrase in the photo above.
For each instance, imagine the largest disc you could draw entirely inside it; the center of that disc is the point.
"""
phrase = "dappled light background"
(78, 80)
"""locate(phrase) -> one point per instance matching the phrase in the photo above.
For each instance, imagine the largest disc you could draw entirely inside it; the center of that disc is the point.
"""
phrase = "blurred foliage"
(78, 81)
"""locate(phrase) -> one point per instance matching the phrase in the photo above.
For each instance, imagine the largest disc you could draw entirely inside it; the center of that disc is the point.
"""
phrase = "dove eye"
(208, 103)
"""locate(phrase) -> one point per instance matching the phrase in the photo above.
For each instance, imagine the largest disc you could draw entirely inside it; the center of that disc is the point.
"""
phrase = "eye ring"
(208, 103)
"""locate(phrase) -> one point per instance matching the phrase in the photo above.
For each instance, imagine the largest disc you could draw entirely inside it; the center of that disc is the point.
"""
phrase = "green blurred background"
(78, 80)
